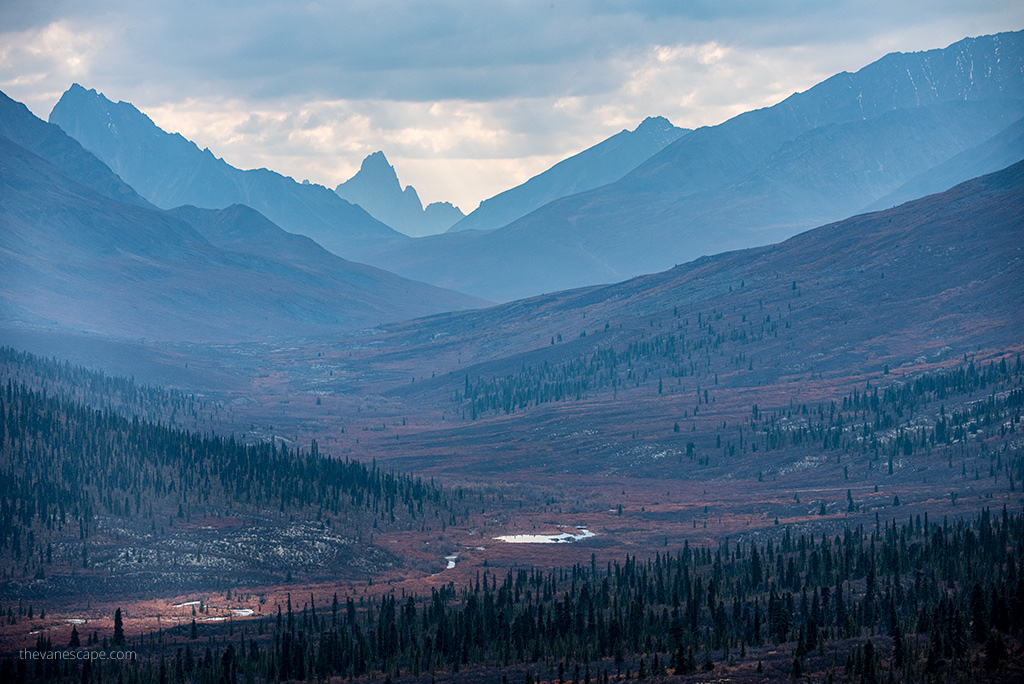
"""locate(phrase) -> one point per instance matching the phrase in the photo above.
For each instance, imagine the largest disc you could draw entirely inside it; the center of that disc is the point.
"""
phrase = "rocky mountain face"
(1001, 150)
(376, 189)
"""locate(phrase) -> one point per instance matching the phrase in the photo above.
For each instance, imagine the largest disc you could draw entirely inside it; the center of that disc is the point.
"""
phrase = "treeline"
(717, 343)
(912, 601)
(965, 417)
(685, 352)
(76, 384)
(65, 466)
(970, 411)
(889, 421)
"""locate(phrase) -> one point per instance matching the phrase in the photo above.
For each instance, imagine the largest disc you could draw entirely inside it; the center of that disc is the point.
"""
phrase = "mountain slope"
(376, 189)
(760, 177)
(171, 171)
(1001, 150)
(931, 279)
(974, 69)
(74, 259)
(52, 144)
(603, 163)
(242, 230)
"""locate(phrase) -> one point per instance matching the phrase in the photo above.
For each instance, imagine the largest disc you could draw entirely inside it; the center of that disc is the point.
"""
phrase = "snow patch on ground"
(563, 538)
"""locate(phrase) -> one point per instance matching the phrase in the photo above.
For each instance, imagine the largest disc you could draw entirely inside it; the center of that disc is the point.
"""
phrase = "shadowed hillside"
(77, 260)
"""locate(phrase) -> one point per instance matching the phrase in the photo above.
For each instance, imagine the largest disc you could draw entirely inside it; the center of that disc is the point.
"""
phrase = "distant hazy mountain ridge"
(999, 151)
(603, 163)
(935, 276)
(376, 189)
(74, 257)
(170, 171)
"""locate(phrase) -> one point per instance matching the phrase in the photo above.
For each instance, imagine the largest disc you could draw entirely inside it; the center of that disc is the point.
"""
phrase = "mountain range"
(905, 125)
(75, 257)
(595, 166)
(170, 171)
(644, 200)
(376, 189)
(760, 177)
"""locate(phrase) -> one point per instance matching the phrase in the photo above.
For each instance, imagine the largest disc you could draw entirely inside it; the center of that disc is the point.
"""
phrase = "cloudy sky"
(465, 98)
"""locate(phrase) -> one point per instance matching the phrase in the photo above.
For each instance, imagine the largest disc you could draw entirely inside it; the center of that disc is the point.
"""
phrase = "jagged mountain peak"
(658, 131)
(377, 165)
(80, 98)
(654, 123)
(374, 171)
(376, 188)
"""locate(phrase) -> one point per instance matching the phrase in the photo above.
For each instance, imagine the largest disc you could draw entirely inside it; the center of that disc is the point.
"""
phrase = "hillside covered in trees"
(94, 499)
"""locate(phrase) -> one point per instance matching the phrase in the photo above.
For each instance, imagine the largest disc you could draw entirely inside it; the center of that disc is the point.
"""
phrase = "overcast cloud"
(465, 98)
